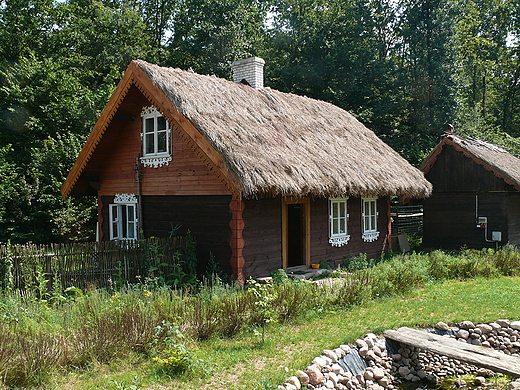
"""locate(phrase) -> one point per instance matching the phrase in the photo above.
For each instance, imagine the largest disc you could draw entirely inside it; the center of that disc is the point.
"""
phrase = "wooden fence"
(88, 265)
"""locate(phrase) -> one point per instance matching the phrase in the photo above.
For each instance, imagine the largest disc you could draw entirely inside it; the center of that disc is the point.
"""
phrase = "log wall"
(206, 217)
(450, 219)
(322, 250)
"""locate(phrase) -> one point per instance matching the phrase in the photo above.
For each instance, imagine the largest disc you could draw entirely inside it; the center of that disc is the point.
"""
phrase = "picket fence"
(88, 265)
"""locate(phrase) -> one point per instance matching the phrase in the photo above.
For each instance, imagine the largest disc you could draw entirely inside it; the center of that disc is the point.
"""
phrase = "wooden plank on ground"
(473, 354)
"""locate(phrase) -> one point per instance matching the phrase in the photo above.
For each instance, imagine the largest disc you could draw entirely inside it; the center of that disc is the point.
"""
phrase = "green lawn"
(243, 362)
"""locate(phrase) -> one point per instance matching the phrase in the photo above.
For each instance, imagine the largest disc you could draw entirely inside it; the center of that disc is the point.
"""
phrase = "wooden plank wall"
(115, 161)
(450, 219)
(454, 172)
(206, 217)
(320, 247)
(513, 213)
(262, 236)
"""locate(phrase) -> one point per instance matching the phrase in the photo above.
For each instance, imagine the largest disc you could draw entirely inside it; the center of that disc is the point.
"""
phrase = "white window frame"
(369, 216)
(123, 220)
(338, 223)
(154, 158)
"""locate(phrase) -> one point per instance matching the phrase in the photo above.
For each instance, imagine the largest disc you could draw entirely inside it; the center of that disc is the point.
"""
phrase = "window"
(338, 219)
(155, 138)
(123, 217)
(369, 215)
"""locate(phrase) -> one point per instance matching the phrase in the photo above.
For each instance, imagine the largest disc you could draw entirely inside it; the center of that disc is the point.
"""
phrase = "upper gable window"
(338, 219)
(156, 138)
(369, 215)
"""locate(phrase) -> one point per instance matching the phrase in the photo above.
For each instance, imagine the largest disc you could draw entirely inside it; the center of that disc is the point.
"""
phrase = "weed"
(264, 295)
(279, 276)
(175, 359)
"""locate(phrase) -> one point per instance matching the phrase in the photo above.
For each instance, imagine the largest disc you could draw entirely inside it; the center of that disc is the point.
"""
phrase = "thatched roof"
(492, 157)
(286, 144)
(275, 143)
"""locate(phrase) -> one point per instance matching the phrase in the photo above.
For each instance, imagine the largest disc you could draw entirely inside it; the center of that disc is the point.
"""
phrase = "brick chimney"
(249, 71)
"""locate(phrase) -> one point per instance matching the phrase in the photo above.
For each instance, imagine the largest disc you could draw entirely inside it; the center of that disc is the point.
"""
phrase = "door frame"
(306, 226)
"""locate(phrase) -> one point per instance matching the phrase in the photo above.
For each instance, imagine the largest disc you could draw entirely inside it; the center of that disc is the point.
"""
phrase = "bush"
(34, 355)
(353, 289)
(507, 261)
(398, 276)
(293, 298)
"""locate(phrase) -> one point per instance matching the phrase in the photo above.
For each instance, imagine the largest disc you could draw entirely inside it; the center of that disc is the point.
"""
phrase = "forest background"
(405, 68)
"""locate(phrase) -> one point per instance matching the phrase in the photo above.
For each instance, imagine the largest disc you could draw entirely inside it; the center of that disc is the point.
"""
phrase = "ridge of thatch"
(283, 144)
(494, 158)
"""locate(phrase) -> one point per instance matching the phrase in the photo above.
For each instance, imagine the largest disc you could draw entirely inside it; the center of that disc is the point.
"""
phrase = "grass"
(242, 362)
(157, 338)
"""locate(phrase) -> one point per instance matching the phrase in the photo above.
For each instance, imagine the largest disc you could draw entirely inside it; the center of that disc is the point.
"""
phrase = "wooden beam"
(446, 346)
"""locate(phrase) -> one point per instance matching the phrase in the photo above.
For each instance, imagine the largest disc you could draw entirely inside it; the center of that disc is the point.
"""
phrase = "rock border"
(388, 365)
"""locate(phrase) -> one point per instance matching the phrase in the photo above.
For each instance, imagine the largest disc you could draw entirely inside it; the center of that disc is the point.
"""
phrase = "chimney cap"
(247, 60)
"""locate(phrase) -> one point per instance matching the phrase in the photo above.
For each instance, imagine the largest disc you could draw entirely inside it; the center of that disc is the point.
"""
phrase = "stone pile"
(389, 365)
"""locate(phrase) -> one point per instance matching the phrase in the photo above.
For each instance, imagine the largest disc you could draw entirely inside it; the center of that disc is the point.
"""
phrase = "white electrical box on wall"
(482, 222)
(496, 236)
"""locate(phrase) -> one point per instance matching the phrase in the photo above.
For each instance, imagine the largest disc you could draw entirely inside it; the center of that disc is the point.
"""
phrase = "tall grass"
(38, 337)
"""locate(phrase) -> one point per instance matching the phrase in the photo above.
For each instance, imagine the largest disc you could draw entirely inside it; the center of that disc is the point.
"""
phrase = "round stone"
(442, 326)
(479, 381)
(467, 325)
(379, 373)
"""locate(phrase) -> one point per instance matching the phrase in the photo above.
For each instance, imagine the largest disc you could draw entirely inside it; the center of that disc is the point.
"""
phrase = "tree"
(208, 35)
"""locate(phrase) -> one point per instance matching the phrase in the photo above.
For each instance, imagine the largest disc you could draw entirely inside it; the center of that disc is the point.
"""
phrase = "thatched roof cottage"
(264, 178)
(476, 199)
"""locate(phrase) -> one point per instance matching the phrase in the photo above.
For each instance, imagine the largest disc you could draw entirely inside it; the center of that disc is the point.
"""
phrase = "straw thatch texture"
(278, 143)
(494, 158)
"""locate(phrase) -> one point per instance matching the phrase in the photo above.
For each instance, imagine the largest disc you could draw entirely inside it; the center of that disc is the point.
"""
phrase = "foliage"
(175, 358)
(279, 276)
(100, 326)
(264, 295)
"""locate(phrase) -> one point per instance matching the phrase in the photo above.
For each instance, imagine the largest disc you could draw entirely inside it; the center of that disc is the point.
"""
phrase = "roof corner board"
(97, 132)
(188, 132)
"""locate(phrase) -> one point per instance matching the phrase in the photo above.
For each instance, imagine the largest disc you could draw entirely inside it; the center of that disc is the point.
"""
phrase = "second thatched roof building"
(264, 178)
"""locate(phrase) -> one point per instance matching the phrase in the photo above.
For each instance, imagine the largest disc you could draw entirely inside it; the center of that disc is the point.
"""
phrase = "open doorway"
(296, 232)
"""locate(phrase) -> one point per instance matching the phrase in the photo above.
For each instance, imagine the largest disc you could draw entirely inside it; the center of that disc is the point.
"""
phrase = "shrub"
(398, 276)
(34, 354)
(202, 317)
(353, 289)
(174, 357)
(236, 312)
(507, 261)
(113, 333)
(293, 298)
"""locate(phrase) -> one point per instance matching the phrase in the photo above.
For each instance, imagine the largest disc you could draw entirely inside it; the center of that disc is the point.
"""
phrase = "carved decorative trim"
(149, 110)
(339, 241)
(125, 198)
(155, 162)
(370, 236)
